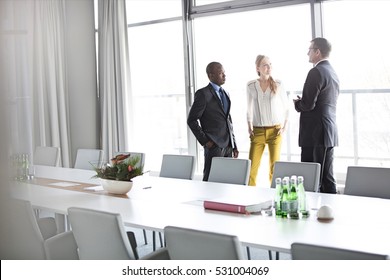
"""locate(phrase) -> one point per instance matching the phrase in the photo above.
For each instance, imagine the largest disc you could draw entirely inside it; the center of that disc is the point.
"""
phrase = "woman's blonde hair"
(273, 84)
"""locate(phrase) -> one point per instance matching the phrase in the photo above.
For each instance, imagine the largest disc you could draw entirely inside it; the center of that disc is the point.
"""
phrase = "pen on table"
(147, 187)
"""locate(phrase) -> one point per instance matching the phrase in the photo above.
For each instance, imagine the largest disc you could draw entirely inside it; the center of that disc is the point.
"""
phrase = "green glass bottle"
(285, 206)
(293, 198)
(302, 197)
(278, 197)
(26, 165)
(293, 188)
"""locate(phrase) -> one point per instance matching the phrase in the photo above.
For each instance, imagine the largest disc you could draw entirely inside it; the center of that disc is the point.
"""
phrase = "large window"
(235, 40)
(158, 98)
(142, 11)
(207, 2)
(356, 29)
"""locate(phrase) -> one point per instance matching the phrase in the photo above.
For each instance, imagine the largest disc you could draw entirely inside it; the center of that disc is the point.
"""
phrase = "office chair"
(85, 158)
(101, 236)
(140, 163)
(134, 154)
(230, 170)
(190, 244)
(309, 170)
(301, 251)
(368, 181)
(62, 246)
(49, 156)
(25, 235)
(178, 166)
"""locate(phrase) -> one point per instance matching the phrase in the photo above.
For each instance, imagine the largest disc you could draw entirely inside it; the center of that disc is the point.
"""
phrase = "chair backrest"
(178, 166)
(368, 181)
(309, 170)
(49, 156)
(230, 170)
(190, 244)
(62, 246)
(99, 235)
(134, 154)
(301, 251)
(21, 238)
(86, 157)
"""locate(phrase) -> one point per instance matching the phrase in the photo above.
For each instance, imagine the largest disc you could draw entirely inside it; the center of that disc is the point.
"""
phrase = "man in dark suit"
(210, 120)
(317, 126)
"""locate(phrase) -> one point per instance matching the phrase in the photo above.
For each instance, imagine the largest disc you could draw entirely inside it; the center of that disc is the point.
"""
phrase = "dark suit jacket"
(317, 125)
(208, 121)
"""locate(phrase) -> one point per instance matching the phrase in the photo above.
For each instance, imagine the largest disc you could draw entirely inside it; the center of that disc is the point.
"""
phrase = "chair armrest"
(133, 243)
(47, 226)
(62, 246)
(161, 254)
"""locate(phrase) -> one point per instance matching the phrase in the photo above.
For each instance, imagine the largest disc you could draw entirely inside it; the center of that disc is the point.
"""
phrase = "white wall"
(82, 85)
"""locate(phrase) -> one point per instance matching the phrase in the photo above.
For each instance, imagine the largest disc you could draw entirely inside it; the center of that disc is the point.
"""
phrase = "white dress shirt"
(266, 108)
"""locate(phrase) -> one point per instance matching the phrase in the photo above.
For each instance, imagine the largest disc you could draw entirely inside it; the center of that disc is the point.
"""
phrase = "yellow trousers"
(264, 136)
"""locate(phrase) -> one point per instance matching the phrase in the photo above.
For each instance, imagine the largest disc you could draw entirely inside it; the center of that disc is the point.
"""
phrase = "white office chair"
(101, 235)
(85, 158)
(62, 246)
(368, 181)
(230, 170)
(25, 235)
(49, 156)
(178, 166)
(302, 251)
(190, 244)
(309, 170)
(134, 154)
(140, 163)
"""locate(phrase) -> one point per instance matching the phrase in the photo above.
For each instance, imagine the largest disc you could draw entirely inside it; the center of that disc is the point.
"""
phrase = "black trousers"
(323, 156)
(214, 151)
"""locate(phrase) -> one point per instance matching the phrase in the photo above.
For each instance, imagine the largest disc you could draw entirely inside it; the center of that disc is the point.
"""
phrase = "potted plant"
(116, 177)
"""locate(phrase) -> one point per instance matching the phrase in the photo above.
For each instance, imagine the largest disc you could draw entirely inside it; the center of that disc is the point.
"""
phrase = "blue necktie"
(222, 95)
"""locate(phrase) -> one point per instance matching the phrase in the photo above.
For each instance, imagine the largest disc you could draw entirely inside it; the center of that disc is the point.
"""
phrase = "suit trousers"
(262, 137)
(323, 156)
(214, 151)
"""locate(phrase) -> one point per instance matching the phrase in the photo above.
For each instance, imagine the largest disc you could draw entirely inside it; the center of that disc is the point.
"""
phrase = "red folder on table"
(237, 207)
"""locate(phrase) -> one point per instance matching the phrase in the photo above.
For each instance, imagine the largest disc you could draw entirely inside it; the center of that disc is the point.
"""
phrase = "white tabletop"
(360, 223)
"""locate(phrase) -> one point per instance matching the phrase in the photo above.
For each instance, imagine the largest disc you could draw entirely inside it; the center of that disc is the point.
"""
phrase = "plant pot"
(116, 187)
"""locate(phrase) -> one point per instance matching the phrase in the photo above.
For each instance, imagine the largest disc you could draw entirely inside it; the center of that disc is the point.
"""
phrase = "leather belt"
(273, 126)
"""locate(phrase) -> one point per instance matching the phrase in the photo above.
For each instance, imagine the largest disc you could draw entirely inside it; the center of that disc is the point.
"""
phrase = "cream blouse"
(266, 108)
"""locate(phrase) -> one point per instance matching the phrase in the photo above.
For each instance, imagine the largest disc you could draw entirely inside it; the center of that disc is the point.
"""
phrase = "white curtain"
(35, 78)
(51, 126)
(114, 75)
(15, 74)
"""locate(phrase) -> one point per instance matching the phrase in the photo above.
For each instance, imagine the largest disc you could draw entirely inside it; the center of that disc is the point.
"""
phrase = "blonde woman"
(267, 116)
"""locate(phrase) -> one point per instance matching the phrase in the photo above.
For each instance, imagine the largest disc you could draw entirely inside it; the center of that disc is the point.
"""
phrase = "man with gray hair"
(318, 133)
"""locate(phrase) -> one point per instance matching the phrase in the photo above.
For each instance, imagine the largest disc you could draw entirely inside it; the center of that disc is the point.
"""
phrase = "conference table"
(360, 223)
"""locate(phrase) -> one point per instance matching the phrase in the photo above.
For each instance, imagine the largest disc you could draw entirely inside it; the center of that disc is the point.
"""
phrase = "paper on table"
(95, 188)
(195, 202)
(64, 184)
